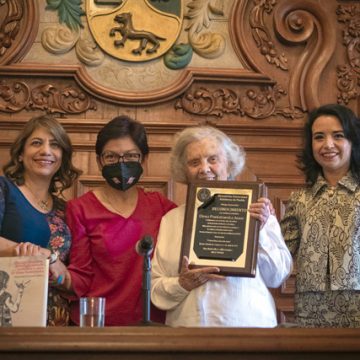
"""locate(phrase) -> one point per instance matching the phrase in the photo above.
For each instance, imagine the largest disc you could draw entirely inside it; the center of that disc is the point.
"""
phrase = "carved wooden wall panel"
(253, 68)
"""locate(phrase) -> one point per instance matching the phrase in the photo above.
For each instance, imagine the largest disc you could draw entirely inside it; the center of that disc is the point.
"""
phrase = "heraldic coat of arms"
(135, 30)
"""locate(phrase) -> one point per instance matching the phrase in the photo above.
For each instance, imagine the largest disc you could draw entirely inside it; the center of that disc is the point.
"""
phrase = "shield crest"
(135, 30)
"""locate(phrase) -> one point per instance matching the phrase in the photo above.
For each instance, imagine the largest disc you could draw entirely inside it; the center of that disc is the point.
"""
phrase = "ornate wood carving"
(296, 23)
(255, 103)
(17, 95)
(13, 97)
(349, 74)
(261, 34)
(205, 43)
(187, 77)
(308, 23)
(18, 27)
(69, 12)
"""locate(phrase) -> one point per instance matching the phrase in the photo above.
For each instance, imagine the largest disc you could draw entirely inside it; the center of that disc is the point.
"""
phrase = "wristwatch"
(54, 255)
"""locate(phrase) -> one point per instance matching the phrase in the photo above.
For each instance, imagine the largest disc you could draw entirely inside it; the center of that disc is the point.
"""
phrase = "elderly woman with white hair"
(202, 297)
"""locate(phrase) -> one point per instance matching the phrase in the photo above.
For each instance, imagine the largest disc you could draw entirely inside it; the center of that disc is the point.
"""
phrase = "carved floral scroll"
(349, 74)
(17, 95)
(254, 103)
(18, 27)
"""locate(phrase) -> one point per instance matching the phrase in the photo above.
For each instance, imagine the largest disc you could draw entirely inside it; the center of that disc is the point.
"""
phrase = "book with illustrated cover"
(23, 291)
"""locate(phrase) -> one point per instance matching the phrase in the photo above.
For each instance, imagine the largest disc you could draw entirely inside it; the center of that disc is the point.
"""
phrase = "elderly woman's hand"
(261, 210)
(192, 278)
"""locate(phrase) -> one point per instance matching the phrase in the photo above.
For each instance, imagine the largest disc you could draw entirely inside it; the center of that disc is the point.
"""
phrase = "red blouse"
(103, 260)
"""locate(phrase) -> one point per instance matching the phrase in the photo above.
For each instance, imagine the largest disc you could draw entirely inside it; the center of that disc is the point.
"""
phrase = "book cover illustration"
(23, 291)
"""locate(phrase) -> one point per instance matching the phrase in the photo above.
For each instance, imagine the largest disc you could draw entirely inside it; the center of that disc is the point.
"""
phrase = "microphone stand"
(144, 247)
(146, 285)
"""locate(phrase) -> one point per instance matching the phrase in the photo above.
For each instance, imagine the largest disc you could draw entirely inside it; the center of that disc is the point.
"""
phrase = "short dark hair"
(351, 126)
(67, 173)
(120, 127)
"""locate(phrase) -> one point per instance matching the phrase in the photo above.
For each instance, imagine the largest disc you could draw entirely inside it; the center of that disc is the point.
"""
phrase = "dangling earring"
(20, 158)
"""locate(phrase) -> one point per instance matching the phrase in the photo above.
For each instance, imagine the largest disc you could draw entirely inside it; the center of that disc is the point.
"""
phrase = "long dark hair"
(67, 173)
(351, 126)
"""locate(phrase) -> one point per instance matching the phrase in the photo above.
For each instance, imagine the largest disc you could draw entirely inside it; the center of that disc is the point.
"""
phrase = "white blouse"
(233, 302)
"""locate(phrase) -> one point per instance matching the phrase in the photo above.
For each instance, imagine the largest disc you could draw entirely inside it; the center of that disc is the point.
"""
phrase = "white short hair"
(235, 154)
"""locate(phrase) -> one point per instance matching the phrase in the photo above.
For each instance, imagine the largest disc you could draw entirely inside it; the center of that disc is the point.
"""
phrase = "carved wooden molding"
(280, 205)
(262, 36)
(187, 78)
(287, 288)
(89, 146)
(296, 23)
(17, 95)
(286, 314)
(306, 22)
(256, 103)
(349, 74)
(75, 125)
(18, 29)
(160, 184)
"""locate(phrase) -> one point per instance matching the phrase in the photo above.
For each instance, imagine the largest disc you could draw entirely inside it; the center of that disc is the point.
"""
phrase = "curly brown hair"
(67, 173)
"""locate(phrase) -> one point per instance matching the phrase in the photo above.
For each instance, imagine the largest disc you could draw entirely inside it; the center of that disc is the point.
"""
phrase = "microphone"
(145, 246)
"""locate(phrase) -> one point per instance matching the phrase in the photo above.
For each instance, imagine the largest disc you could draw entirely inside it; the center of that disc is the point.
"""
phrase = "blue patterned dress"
(21, 222)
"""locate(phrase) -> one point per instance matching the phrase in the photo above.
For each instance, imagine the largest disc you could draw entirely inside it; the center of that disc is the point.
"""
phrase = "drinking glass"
(92, 312)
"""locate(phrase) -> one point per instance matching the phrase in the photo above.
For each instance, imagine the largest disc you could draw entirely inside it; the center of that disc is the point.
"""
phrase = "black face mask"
(123, 175)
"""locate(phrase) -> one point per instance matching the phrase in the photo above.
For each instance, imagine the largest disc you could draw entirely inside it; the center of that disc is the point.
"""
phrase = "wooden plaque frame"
(218, 230)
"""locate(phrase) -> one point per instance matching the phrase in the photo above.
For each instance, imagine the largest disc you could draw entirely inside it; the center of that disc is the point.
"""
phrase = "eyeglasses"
(109, 157)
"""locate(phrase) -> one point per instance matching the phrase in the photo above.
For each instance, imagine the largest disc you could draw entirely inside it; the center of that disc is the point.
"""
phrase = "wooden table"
(180, 343)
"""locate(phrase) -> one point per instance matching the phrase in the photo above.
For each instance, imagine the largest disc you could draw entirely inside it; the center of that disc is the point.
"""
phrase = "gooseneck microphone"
(144, 247)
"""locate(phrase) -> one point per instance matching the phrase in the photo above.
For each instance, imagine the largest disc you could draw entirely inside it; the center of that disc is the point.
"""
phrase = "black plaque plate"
(218, 229)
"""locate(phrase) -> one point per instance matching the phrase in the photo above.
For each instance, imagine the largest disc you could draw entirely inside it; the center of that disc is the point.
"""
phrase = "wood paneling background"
(275, 61)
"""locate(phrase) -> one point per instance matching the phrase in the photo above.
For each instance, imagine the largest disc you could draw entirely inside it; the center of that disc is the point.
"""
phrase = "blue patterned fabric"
(21, 222)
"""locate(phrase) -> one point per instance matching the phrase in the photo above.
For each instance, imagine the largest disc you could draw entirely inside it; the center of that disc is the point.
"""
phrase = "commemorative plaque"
(218, 229)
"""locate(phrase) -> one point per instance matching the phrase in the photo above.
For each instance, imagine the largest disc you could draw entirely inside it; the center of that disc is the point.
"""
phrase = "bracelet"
(54, 255)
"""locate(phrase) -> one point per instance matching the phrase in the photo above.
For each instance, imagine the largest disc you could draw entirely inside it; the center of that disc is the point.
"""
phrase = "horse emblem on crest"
(135, 30)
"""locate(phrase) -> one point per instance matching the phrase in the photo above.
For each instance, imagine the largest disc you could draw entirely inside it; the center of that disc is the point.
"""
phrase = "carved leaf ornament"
(262, 35)
(69, 12)
(256, 104)
(206, 44)
(16, 96)
(9, 28)
(349, 74)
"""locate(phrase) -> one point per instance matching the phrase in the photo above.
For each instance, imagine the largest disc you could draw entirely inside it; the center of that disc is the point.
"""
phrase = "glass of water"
(92, 312)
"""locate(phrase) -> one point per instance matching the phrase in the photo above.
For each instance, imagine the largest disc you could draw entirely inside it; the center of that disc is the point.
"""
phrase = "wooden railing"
(181, 343)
